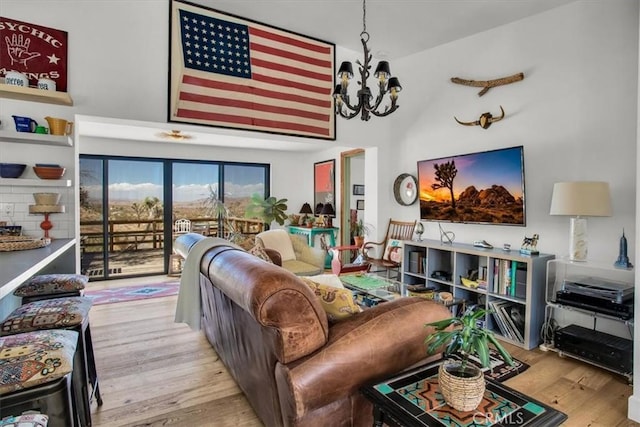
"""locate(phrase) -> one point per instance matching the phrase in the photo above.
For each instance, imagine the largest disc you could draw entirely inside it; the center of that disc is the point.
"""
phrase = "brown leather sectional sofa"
(295, 368)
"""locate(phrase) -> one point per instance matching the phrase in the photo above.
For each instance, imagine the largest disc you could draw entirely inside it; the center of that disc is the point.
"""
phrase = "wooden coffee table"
(413, 398)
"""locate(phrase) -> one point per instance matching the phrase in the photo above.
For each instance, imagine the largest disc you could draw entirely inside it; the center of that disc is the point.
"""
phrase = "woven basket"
(461, 393)
(20, 243)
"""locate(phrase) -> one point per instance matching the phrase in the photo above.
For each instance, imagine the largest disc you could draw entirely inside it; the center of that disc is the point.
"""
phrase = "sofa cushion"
(280, 241)
(337, 302)
(328, 279)
(259, 251)
(301, 268)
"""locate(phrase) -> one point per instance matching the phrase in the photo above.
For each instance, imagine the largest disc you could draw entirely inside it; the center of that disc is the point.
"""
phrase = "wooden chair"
(390, 249)
(176, 262)
(182, 226)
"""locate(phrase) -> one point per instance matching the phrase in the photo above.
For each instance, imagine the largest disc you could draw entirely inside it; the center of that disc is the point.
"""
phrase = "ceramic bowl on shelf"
(11, 170)
(44, 172)
(46, 198)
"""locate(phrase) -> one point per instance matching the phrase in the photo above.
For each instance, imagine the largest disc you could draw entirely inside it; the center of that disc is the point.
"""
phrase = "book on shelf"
(414, 261)
(521, 280)
(505, 277)
(496, 276)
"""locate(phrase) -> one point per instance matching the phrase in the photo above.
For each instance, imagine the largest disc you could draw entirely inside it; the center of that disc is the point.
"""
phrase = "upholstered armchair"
(296, 255)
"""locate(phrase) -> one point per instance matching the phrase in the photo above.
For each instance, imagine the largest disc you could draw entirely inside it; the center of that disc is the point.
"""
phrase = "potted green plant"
(268, 210)
(359, 230)
(462, 383)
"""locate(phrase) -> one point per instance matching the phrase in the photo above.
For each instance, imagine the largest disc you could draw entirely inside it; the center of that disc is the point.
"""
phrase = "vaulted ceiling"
(397, 27)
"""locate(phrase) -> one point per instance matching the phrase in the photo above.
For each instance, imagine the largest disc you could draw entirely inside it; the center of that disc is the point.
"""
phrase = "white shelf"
(22, 182)
(457, 260)
(36, 138)
(35, 95)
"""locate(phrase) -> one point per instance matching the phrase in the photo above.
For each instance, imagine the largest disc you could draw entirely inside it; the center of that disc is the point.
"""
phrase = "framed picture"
(358, 190)
(282, 82)
(360, 204)
(324, 183)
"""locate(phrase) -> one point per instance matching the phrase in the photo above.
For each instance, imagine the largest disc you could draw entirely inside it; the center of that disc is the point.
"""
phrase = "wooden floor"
(154, 372)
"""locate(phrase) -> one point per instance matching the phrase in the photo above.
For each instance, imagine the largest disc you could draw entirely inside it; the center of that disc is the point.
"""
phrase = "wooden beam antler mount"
(488, 84)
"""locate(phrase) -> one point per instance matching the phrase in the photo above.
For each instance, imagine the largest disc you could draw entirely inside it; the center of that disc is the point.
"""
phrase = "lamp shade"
(581, 198)
(327, 209)
(306, 209)
(382, 70)
(394, 84)
(346, 70)
(319, 207)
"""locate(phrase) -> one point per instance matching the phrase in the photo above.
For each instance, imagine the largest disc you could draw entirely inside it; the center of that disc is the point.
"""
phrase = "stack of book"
(509, 278)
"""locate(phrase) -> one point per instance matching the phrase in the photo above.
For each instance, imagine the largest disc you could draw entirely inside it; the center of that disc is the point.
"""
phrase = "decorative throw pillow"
(338, 303)
(258, 250)
(393, 251)
(25, 420)
(327, 279)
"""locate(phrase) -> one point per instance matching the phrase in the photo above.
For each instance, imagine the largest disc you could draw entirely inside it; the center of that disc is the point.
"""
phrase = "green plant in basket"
(462, 384)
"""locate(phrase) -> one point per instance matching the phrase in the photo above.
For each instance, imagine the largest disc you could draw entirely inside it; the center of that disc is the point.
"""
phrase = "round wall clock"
(405, 189)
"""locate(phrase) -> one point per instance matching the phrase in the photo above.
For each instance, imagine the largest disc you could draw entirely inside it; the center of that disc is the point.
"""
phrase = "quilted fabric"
(26, 420)
(46, 284)
(338, 303)
(258, 250)
(47, 314)
(34, 358)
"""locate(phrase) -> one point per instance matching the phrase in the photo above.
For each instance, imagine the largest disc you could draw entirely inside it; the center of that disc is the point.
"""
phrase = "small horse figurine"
(530, 243)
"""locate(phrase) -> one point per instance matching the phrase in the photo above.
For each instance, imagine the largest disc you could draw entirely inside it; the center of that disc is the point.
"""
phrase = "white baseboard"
(634, 408)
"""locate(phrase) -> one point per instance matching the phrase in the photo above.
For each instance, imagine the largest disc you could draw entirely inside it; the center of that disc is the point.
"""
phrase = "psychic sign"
(36, 51)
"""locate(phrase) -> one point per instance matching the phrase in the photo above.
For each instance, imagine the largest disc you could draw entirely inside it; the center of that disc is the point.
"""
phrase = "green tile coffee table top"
(414, 399)
(366, 281)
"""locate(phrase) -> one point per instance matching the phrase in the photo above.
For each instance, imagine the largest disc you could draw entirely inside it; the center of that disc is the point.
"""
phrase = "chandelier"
(386, 84)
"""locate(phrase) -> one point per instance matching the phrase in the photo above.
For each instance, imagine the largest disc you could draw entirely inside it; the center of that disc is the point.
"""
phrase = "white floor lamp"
(580, 199)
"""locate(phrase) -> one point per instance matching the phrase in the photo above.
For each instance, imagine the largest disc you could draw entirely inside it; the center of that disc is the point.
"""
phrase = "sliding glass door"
(129, 208)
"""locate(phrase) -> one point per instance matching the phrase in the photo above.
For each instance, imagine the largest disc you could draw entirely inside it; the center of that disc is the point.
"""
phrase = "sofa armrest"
(275, 256)
(380, 341)
(305, 253)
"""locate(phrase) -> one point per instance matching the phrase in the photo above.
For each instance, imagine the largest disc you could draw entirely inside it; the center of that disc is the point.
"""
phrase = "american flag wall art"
(232, 72)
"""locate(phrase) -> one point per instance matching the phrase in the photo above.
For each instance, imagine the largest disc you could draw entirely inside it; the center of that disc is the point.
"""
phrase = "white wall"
(574, 113)
(634, 400)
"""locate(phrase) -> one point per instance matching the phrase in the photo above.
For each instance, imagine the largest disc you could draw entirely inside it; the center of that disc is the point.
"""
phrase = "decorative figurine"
(623, 259)
(419, 231)
(529, 245)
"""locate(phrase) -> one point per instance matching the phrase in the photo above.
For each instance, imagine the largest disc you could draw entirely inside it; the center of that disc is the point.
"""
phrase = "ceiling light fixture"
(176, 135)
(386, 84)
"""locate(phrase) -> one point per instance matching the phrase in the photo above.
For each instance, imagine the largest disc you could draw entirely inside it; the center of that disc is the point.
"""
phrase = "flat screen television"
(481, 188)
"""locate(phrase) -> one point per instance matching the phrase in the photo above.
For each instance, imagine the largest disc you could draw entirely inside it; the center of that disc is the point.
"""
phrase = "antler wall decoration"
(484, 121)
(488, 84)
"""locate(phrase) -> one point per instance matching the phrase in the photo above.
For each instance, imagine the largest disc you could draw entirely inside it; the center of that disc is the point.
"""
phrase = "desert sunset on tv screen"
(485, 187)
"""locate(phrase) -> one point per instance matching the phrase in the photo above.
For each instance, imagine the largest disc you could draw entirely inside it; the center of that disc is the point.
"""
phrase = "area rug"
(499, 370)
(133, 293)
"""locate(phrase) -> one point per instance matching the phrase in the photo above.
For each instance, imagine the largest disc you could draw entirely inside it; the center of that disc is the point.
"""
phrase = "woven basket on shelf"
(461, 393)
(20, 243)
